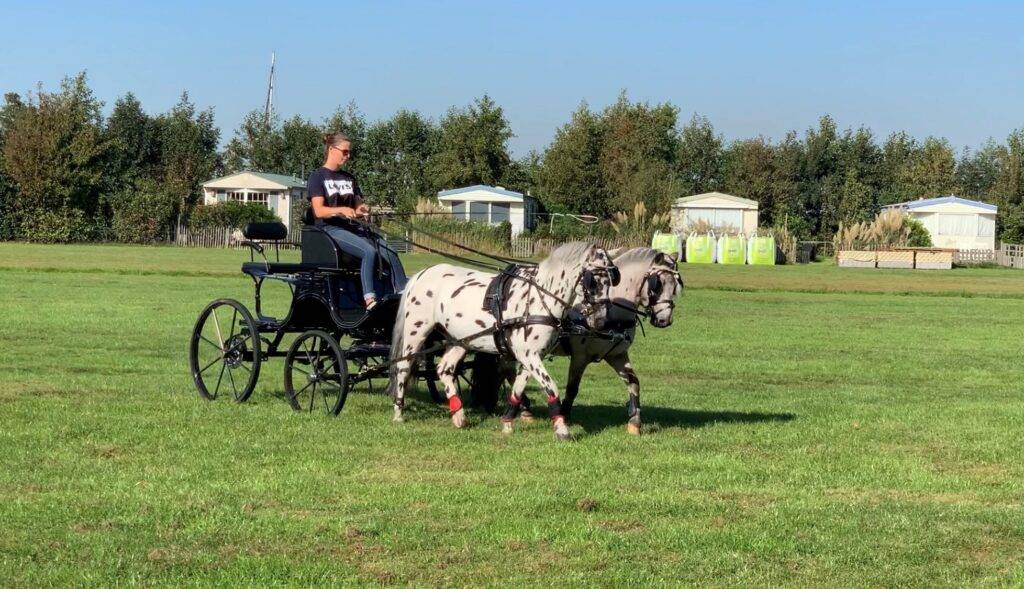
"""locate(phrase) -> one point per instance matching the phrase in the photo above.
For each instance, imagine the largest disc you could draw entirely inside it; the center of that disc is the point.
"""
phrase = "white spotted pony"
(451, 299)
(650, 283)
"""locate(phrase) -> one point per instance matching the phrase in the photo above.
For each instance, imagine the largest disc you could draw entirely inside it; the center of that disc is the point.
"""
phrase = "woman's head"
(337, 149)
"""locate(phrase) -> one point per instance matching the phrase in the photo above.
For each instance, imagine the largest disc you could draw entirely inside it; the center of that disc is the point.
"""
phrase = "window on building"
(221, 196)
(236, 196)
(717, 218)
(258, 197)
(459, 209)
(499, 212)
(962, 225)
(729, 218)
(986, 226)
(478, 212)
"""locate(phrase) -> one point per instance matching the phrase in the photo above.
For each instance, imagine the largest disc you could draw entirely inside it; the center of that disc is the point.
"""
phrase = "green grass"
(869, 437)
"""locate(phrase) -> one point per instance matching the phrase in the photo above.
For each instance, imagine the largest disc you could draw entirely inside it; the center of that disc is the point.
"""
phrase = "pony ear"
(614, 253)
(672, 258)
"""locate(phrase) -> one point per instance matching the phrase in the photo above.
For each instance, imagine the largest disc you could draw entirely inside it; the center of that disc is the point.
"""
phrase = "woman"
(334, 193)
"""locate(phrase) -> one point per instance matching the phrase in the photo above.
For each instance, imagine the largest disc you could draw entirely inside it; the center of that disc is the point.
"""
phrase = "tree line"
(69, 173)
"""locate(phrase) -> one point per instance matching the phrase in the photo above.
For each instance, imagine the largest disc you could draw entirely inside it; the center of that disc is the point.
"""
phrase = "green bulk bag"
(732, 249)
(761, 251)
(700, 249)
(666, 242)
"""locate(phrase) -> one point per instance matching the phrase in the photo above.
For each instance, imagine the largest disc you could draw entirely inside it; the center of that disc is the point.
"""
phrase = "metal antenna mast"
(268, 109)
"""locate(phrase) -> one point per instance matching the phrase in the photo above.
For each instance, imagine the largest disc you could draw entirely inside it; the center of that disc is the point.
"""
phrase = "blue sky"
(932, 68)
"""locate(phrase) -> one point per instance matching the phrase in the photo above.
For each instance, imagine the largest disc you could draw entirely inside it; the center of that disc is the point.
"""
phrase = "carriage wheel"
(316, 373)
(224, 353)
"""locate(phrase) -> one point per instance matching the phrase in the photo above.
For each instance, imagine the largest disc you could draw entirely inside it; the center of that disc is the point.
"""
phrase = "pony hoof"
(562, 432)
(526, 416)
(633, 428)
(507, 428)
(459, 419)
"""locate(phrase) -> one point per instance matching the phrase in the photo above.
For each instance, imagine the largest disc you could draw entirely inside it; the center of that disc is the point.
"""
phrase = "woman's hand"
(363, 211)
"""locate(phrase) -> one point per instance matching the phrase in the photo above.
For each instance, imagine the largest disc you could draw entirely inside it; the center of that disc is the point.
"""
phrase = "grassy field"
(805, 426)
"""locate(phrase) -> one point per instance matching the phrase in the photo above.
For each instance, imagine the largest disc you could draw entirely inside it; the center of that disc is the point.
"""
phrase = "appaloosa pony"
(650, 284)
(533, 305)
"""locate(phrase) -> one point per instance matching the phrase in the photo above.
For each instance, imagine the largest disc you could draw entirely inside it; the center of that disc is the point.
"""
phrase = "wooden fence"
(222, 237)
(1010, 255)
(518, 247)
(206, 237)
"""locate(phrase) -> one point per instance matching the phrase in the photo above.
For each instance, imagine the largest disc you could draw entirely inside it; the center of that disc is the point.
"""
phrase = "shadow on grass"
(596, 418)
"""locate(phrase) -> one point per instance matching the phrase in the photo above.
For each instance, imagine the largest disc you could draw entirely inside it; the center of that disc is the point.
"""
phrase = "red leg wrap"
(454, 404)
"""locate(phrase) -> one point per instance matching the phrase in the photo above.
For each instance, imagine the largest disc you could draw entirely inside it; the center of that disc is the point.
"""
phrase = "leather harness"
(494, 303)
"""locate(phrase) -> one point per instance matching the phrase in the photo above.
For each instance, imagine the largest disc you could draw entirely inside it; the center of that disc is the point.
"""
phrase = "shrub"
(1011, 220)
(55, 225)
(918, 235)
(141, 214)
(230, 214)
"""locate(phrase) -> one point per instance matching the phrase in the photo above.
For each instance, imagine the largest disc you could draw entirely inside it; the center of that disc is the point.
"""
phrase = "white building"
(490, 204)
(722, 211)
(954, 222)
(274, 191)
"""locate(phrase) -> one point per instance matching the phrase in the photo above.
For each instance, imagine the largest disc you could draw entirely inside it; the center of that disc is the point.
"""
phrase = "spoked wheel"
(316, 373)
(224, 353)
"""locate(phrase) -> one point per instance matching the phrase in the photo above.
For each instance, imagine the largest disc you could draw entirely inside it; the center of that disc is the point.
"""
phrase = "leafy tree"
(932, 170)
(472, 146)
(301, 147)
(749, 172)
(898, 153)
(1009, 186)
(54, 152)
(134, 147)
(638, 154)
(8, 192)
(257, 145)
(397, 152)
(570, 178)
(700, 159)
(188, 157)
(522, 175)
(977, 171)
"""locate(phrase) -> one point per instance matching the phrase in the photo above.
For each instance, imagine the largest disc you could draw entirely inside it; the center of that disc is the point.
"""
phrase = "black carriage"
(339, 342)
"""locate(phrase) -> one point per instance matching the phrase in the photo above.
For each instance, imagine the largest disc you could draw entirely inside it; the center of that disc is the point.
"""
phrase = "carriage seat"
(320, 250)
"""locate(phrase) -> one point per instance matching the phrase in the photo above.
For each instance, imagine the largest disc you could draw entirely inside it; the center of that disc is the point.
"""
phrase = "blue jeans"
(367, 248)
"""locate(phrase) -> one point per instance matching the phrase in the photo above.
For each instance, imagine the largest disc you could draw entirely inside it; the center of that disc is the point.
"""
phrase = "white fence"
(1010, 255)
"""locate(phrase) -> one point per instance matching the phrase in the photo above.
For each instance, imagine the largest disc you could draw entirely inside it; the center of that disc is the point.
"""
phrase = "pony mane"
(637, 255)
(566, 254)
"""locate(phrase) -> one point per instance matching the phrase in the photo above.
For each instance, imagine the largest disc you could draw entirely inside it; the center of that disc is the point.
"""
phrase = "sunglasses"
(343, 151)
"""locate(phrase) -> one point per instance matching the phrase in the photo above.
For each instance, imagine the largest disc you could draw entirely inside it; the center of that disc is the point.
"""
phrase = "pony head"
(660, 288)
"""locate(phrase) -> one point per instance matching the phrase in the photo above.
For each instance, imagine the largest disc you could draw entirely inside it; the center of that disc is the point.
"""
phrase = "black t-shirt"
(339, 189)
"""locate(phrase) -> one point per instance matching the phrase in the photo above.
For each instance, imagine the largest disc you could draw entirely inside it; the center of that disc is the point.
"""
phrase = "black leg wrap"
(511, 411)
(554, 407)
(525, 402)
(632, 406)
(400, 403)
